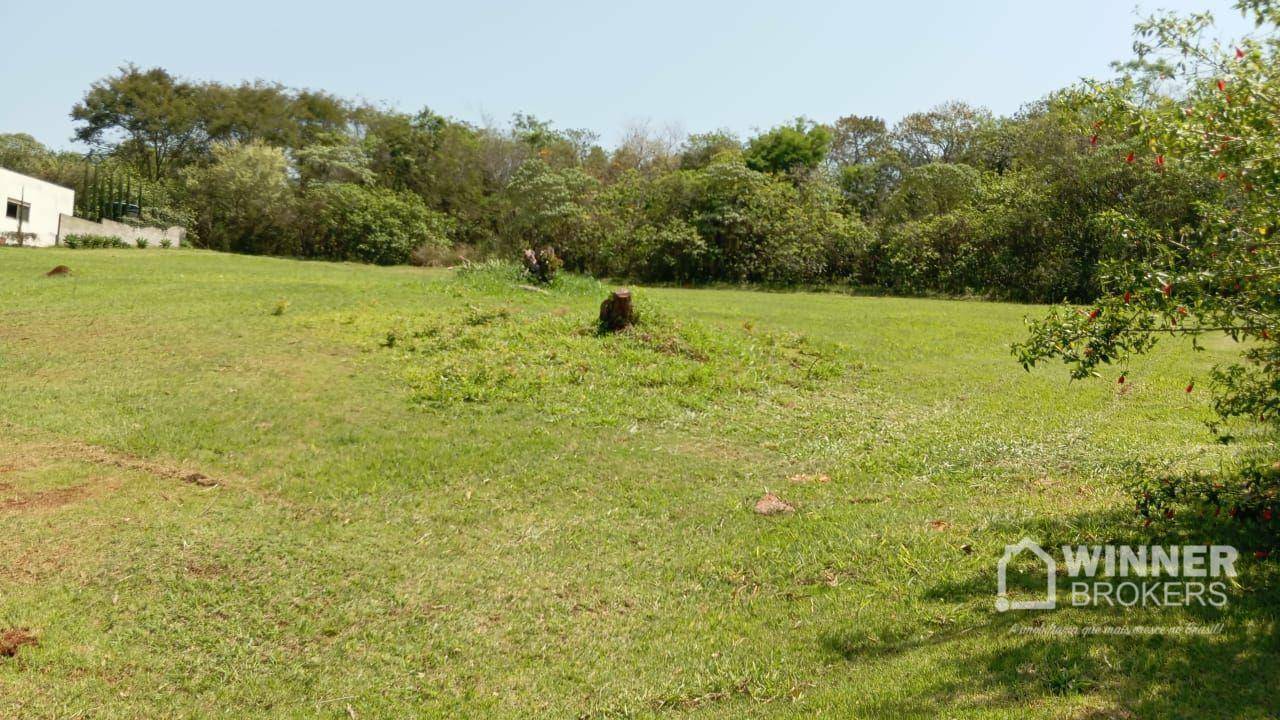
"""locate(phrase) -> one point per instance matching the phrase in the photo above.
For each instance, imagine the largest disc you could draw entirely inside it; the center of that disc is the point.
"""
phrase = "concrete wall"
(69, 225)
(48, 202)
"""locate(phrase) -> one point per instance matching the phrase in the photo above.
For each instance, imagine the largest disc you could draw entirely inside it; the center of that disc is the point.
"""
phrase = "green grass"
(448, 496)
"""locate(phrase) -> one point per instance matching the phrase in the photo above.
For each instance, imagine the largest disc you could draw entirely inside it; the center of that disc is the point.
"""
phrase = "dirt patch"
(206, 569)
(58, 271)
(36, 564)
(13, 639)
(84, 452)
(200, 479)
(46, 499)
(770, 504)
(125, 461)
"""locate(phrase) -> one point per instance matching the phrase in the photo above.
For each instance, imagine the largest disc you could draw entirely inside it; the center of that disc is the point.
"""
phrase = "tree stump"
(615, 311)
(530, 259)
(542, 264)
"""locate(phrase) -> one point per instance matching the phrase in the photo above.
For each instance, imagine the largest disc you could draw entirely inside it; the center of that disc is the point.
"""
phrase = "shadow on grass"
(1014, 659)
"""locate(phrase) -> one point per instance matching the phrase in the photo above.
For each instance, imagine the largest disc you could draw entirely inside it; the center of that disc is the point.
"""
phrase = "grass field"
(248, 487)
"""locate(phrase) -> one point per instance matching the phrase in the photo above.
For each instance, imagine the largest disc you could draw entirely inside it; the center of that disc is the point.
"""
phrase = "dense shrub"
(435, 255)
(906, 258)
(89, 242)
(670, 251)
(243, 199)
(932, 189)
(344, 221)
(724, 222)
(550, 207)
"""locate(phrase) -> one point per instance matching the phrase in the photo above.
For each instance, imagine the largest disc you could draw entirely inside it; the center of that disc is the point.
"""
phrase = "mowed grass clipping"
(247, 487)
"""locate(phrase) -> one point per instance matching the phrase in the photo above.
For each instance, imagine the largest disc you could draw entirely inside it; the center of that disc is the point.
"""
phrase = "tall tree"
(700, 149)
(22, 153)
(646, 149)
(946, 133)
(802, 145)
(249, 112)
(857, 140)
(148, 116)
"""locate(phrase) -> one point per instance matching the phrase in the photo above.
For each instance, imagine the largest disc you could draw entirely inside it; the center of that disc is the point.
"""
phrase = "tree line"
(950, 200)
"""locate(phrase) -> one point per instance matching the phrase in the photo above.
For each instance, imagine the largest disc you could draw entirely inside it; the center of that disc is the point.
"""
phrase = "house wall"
(48, 202)
(79, 226)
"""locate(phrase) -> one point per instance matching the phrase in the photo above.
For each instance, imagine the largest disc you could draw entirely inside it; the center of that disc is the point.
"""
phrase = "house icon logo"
(1003, 603)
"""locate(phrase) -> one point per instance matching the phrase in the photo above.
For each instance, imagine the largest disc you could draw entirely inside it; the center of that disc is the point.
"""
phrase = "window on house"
(17, 210)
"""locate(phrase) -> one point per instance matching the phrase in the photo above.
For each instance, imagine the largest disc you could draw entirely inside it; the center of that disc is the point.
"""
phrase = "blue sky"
(598, 64)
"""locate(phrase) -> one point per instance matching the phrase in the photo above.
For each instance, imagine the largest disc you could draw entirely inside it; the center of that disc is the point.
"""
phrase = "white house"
(33, 205)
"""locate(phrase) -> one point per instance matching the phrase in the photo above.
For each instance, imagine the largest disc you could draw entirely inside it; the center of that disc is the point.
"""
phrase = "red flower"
(1191, 386)
(1093, 140)
(1222, 176)
(1167, 289)
(1267, 514)
(1126, 297)
(1129, 158)
(1094, 315)
(1120, 380)
(1182, 310)
(1160, 160)
(1222, 85)
(1239, 53)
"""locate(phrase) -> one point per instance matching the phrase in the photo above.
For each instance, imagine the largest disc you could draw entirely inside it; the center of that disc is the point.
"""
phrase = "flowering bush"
(1218, 272)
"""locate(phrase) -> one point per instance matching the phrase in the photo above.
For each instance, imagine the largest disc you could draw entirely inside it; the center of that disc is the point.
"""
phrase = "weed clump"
(560, 364)
(495, 277)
